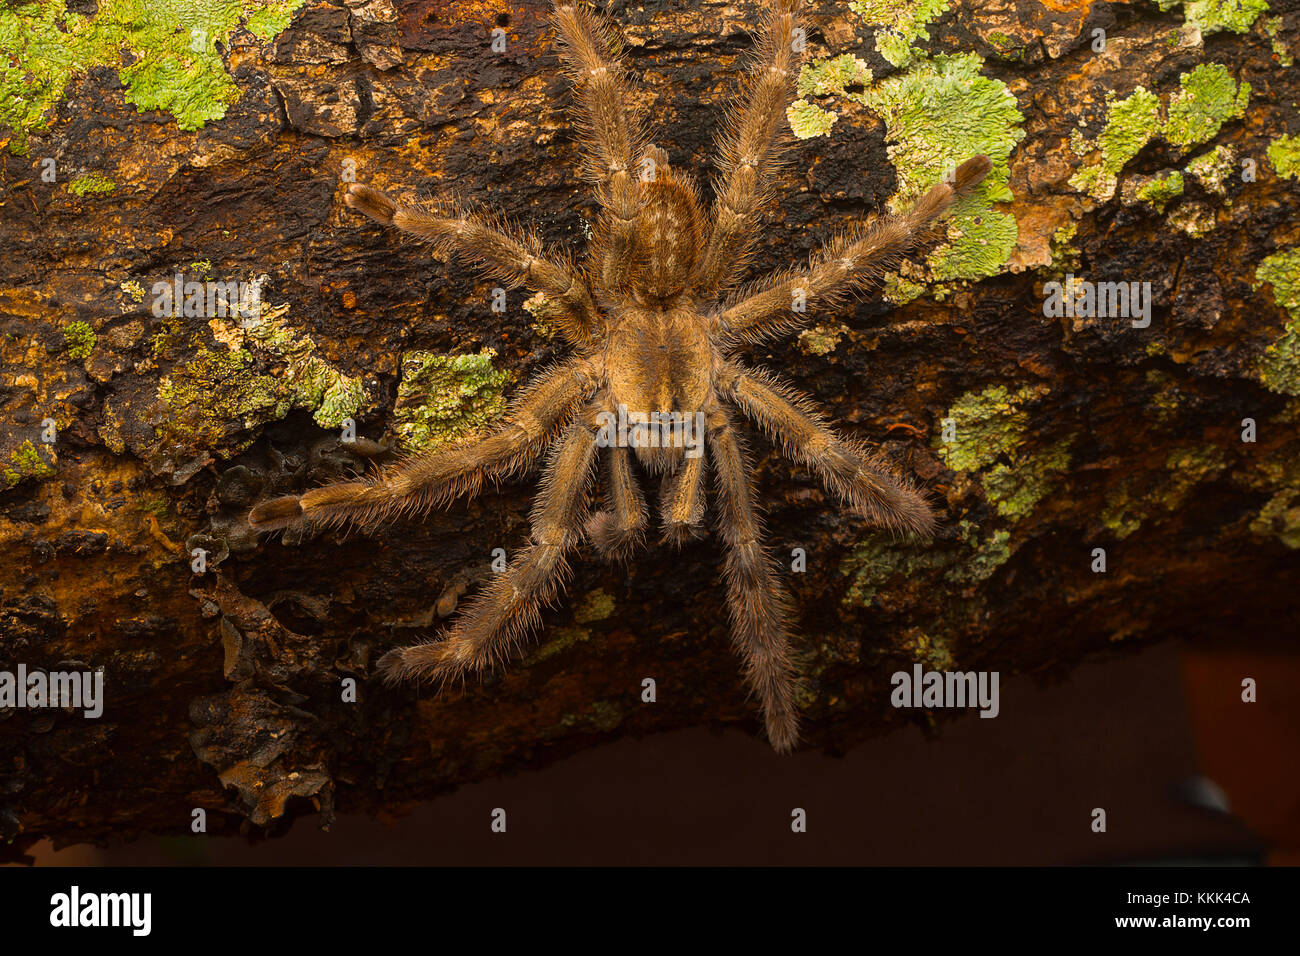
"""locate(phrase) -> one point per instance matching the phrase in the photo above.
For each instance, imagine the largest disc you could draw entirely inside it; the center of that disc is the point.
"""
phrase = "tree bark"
(1044, 440)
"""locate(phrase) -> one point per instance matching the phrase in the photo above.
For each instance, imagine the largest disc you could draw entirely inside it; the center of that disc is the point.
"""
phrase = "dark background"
(1130, 733)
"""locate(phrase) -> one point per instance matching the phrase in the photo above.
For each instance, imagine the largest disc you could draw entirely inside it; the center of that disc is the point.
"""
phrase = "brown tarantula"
(654, 330)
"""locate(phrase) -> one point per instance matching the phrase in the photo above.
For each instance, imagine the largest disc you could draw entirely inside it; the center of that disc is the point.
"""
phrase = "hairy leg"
(757, 601)
(590, 50)
(849, 263)
(749, 148)
(863, 480)
(681, 506)
(428, 481)
(511, 604)
(617, 530)
(515, 259)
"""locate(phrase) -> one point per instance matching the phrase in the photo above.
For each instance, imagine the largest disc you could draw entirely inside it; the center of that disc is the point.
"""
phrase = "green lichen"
(1208, 98)
(1162, 190)
(821, 339)
(1284, 154)
(443, 398)
(1213, 169)
(164, 51)
(1279, 367)
(27, 461)
(880, 558)
(558, 639)
(597, 605)
(79, 340)
(1280, 518)
(219, 392)
(1212, 16)
(1131, 122)
(987, 554)
(1138, 498)
(1015, 489)
(938, 114)
(1272, 27)
(91, 184)
(985, 426)
(808, 120)
(902, 24)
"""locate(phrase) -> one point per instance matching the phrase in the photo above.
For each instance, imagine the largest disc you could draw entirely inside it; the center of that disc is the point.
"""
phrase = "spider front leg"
(612, 133)
(849, 263)
(749, 149)
(432, 480)
(755, 597)
(513, 259)
(511, 605)
(619, 529)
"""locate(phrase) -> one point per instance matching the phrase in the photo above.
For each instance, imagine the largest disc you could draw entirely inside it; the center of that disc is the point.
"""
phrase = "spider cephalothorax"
(654, 331)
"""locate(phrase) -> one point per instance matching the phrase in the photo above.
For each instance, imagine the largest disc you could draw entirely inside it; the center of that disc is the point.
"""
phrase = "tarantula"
(654, 319)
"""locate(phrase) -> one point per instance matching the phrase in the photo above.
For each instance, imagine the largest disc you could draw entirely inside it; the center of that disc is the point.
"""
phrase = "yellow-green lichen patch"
(938, 114)
(220, 390)
(1272, 26)
(558, 639)
(1208, 97)
(597, 605)
(78, 340)
(821, 339)
(1212, 169)
(1162, 190)
(1279, 368)
(1131, 122)
(843, 75)
(1015, 488)
(1280, 517)
(91, 184)
(1212, 16)
(981, 427)
(28, 462)
(444, 398)
(901, 24)
(1135, 499)
(169, 48)
(1284, 154)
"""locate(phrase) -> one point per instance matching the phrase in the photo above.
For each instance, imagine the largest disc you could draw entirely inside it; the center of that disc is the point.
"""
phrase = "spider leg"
(748, 150)
(681, 504)
(851, 262)
(510, 606)
(863, 480)
(755, 597)
(590, 51)
(503, 253)
(617, 530)
(428, 481)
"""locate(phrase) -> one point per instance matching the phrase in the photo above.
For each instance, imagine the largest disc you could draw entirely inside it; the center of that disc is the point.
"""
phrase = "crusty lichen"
(1279, 367)
(1162, 190)
(985, 426)
(1131, 122)
(1273, 26)
(1212, 16)
(1207, 98)
(443, 398)
(79, 340)
(28, 462)
(901, 24)
(1139, 497)
(222, 388)
(822, 338)
(165, 53)
(1015, 488)
(1284, 154)
(1212, 169)
(91, 184)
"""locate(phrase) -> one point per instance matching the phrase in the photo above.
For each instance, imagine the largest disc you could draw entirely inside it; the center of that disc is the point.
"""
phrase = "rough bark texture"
(224, 689)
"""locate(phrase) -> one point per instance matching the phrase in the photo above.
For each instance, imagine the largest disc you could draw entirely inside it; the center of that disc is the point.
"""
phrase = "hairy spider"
(654, 322)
